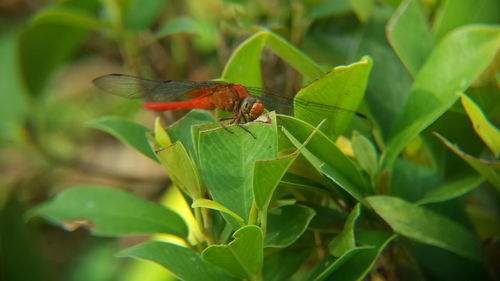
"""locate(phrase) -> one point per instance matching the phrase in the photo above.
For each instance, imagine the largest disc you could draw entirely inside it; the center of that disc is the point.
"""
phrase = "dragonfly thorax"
(251, 108)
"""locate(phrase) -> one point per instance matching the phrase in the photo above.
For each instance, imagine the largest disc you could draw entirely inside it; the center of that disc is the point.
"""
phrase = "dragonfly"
(244, 103)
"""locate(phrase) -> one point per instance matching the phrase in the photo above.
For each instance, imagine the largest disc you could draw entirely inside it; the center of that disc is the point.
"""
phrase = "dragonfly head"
(251, 108)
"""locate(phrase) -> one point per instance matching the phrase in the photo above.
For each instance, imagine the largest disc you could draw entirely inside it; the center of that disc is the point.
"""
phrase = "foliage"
(313, 195)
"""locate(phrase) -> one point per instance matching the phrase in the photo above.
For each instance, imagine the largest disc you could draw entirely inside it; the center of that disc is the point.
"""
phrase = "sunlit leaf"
(446, 71)
(483, 127)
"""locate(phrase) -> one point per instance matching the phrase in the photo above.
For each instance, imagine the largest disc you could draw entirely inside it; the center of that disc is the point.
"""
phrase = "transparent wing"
(151, 90)
(275, 101)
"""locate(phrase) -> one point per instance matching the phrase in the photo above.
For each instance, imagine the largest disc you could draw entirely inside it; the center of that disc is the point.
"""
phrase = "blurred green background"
(51, 50)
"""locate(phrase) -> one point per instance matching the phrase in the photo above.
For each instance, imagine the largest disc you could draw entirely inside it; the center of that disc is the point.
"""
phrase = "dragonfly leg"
(224, 126)
(246, 130)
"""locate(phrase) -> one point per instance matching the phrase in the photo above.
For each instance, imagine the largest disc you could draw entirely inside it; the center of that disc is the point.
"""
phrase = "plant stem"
(254, 213)
(201, 226)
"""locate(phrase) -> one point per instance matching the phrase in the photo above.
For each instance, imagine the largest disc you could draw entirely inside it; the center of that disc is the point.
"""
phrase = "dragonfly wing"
(286, 104)
(151, 90)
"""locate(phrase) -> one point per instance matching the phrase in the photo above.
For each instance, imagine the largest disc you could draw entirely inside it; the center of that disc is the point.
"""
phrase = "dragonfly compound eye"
(256, 110)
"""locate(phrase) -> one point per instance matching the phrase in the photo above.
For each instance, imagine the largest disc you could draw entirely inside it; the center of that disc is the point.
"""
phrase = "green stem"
(254, 214)
(199, 221)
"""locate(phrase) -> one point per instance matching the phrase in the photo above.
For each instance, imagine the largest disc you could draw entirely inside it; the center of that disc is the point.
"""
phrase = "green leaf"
(341, 88)
(321, 150)
(345, 240)
(244, 65)
(354, 264)
(309, 69)
(13, 103)
(280, 265)
(71, 17)
(176, 25)
(363, 9)
(183, 262)
(141, 15)
(446, 71)
(409, 35)
(182, 130)
(326, 8)
(209, 204)
(227, 159)
(489, 170)
(421, 178)
(268, 174)
(127, 132)
(426, 226)
(287, 224)
(243, 256)
(181, 169)
(110, 212)
(456, 13)
(451, 190)
(45, 45)
(365, 153)
(161, 137)
(483, 127)
(337, 177)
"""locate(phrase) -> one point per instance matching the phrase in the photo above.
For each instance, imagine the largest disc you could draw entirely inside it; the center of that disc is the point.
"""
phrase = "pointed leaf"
(365, 153)
(452, 189)
(354, 264)
(183, 262)
(446, 71)
(268, 174)
(345, 240)
(487, 131)
(209, 204)
(181, 169)
(343, 87)
(110, 212)
(127, 132)
(426, 226)
(410, 36)
(488, 169)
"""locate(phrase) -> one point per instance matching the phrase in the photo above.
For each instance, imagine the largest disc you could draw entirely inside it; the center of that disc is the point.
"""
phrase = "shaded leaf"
(452, 189)
(426, 226)
(110, 212)
(488, 169)
(127, 132)
(345, 240)
(287, 224)
(410, 36)
(183, 262)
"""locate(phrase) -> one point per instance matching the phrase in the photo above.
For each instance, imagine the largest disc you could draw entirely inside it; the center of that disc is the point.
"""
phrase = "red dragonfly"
(245, 103)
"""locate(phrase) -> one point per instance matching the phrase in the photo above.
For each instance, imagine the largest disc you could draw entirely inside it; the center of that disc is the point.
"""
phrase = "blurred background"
(51, 50)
